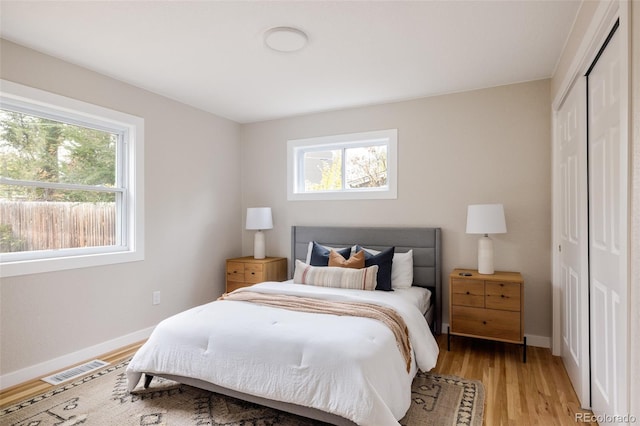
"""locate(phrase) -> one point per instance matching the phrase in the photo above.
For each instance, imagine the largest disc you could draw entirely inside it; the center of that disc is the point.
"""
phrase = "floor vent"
(74, 372)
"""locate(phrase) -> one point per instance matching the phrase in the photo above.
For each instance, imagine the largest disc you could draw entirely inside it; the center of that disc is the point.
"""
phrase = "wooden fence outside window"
(41, 225)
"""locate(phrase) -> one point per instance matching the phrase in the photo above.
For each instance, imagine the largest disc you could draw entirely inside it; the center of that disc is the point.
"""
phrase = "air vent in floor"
(74, 372)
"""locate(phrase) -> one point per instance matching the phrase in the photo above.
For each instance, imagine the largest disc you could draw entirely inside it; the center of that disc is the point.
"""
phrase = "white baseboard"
(532, 340)
(47, 367)
(538, 341)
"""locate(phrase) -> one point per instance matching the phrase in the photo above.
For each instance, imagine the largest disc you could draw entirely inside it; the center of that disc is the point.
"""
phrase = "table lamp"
(259, 218)
(485, 219)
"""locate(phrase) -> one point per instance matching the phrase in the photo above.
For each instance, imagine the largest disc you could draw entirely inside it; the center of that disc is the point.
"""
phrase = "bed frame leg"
(448, 338)
(147, 380)
(524, 350)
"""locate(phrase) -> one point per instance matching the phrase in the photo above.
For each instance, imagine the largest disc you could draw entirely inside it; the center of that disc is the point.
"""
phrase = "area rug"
(102, 399)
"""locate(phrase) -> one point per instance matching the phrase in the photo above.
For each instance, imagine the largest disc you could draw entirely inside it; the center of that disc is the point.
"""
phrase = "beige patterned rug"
(102, 399)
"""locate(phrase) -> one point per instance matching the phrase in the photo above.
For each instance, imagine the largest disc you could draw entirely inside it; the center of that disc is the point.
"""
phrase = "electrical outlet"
(156, 297)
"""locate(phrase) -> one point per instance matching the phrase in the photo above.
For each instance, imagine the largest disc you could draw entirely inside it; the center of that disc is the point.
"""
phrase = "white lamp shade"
(486, 219)
(259, 218)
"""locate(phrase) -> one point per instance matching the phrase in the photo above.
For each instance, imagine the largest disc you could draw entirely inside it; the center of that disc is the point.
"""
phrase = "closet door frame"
(603, 21)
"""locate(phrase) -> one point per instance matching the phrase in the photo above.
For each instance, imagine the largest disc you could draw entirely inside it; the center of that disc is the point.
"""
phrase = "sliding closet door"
(571, 125)
(607, 152)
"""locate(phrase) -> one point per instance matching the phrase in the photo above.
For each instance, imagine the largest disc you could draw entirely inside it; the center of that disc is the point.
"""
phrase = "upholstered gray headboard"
(426, 244)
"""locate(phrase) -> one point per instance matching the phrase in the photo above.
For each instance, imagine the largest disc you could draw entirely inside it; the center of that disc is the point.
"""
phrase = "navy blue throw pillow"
(320, 254)
(384, 260)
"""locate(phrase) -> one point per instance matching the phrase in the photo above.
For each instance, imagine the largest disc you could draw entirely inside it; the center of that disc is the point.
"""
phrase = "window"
(70, 183)
(352, 166)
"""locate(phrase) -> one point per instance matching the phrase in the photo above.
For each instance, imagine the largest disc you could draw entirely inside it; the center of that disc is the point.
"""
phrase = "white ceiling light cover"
(285, 39)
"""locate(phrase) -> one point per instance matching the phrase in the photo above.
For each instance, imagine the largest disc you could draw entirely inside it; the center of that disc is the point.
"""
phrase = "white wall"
(484, 146)
(192, 222)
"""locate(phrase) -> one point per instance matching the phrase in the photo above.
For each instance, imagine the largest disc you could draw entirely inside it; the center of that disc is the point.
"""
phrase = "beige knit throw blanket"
(387, 316)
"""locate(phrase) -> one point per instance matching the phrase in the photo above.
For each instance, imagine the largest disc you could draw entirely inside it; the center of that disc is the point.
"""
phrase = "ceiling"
(211, 54)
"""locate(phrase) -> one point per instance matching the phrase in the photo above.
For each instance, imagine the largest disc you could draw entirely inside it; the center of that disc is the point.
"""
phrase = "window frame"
(129, 183)
(296, 148)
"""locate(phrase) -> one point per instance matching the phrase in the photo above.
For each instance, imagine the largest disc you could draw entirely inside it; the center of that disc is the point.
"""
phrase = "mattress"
(347, 366)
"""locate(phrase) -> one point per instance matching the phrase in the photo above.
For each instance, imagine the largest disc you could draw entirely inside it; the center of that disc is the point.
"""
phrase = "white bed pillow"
(336, 277)
(401, 268)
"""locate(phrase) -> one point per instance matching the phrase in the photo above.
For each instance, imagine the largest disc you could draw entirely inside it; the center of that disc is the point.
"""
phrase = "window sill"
(38, 266)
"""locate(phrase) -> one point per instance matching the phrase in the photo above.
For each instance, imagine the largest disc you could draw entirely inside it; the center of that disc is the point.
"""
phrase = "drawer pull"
(468, 293)
(502, 295)
(484, 322)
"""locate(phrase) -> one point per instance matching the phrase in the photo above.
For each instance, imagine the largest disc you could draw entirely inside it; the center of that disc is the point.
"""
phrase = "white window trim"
(133, 128)
(296, 147)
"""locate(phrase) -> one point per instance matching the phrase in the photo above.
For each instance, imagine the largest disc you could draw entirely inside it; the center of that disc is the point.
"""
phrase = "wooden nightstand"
(487, 306)
(247, 271)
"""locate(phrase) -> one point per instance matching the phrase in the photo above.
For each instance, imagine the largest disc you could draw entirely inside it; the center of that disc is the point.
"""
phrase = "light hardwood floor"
(536, 393)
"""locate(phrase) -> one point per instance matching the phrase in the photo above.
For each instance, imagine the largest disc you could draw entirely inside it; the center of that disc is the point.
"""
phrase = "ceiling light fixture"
(285, 39)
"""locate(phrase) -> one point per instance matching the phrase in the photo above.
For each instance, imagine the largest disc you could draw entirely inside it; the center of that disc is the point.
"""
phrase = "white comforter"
(347, 366)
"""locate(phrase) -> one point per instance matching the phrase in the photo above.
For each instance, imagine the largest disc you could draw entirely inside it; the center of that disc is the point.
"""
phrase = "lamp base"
(259, 245)
(485, 256)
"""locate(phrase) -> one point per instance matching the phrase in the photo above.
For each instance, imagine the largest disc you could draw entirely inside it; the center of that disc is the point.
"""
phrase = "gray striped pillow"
(336, 277)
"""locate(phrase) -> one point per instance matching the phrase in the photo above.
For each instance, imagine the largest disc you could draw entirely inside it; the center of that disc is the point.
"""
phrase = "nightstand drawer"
(253, 273)
(467, 293)
(494, 324)
(234, 285)
(247, 271)
(504, 296)
(235, 271)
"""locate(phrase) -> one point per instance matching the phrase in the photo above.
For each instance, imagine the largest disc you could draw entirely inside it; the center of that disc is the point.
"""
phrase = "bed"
(324, 367)
(426, 244)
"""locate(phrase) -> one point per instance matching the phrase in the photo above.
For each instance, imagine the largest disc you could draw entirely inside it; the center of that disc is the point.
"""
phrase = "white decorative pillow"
(401, 268)
(336, 277)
